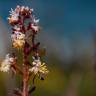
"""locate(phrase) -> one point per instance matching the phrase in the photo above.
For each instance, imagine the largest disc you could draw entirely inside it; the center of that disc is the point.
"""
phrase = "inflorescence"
(23, 21)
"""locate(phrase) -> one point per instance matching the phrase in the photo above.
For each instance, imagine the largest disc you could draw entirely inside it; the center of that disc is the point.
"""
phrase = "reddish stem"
(25, 75)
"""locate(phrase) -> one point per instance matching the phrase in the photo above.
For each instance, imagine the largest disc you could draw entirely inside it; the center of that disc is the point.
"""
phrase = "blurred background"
(69, 35)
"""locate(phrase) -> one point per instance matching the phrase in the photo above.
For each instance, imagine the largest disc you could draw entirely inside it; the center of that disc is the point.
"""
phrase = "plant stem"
(25, 76)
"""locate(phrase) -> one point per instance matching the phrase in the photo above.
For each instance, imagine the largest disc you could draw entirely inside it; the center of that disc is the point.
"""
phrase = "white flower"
(31, 10)
(18, 39)
(14, 16)
(36, 28)
(34, 24)
(35, 21)
(39, 68)
(18, 8)
(36, 64)
(18, 35)
(26, 9)
(21, 36)
(6, 64)
(22, 8)
(16, 28)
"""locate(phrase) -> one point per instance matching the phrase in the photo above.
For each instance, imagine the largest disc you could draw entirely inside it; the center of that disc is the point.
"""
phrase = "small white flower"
(36, 28)
(34, 24)
(16, 28)
(31, 10)
(18, 35)
(35, 68)
(18, 39)
(36, 62)
(34, 20)
(27, 8)
(22, 8)
(6, 64)
(14, 16)
(18, 8)
(39, 68)
(14, 13)
(21, 36)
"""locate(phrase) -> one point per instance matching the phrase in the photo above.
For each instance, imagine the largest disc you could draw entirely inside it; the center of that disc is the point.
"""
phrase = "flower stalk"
(20, 37)
(25, 76)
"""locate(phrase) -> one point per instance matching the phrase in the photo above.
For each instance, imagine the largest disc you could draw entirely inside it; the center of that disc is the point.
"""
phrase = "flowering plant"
(24, 27)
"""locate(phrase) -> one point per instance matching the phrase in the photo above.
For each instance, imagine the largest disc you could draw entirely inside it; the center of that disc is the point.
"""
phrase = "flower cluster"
(18, 39)
(38, 68)
(6, 64)
(24, 30)
(17, 19)
(15, 15)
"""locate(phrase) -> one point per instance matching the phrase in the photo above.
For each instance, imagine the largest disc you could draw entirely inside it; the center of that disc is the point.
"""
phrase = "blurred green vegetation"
(74, 80)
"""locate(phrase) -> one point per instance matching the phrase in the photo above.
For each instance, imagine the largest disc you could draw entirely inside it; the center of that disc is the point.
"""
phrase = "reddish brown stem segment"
(25, 76)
